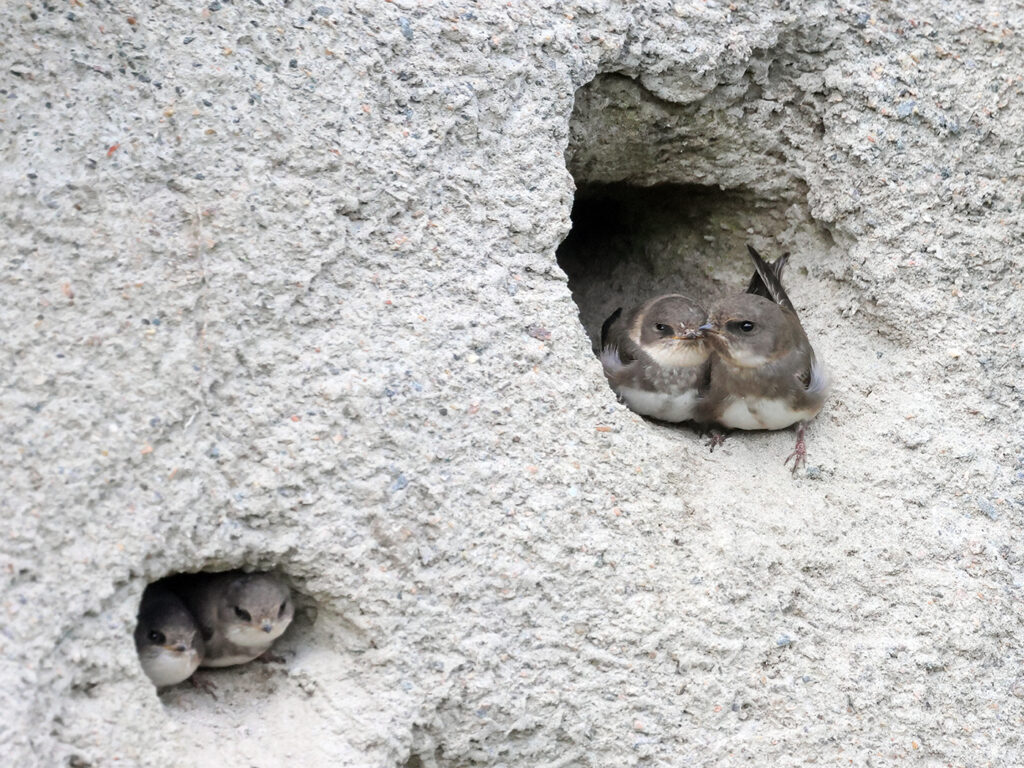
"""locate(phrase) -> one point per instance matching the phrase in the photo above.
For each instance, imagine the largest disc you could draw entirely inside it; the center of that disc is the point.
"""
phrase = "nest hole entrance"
(669, 194)
(159, 624)
(283, 708)
(630, 242)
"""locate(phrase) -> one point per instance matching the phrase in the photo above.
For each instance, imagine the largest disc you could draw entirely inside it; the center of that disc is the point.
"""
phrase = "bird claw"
(799, 454)
(269, 657)
(204, 684)
(799, 457)
(715, 439)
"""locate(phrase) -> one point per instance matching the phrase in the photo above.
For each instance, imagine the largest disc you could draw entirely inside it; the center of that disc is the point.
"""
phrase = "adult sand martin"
(764, 373)
(240, 614)
(655, 357)
(167, 638)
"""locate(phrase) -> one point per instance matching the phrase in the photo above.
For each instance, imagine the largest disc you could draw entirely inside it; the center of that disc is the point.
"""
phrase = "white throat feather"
(675, 354)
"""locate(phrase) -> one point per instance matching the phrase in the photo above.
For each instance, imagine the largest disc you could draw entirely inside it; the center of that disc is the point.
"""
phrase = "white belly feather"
(660, 405)
(168, 667)
(229, 661)
(760, 413)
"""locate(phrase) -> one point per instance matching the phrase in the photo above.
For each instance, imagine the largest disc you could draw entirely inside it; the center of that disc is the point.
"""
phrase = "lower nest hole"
(229, 618)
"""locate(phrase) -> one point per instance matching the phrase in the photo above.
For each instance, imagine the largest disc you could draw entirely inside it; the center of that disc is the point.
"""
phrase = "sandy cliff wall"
(282, 288)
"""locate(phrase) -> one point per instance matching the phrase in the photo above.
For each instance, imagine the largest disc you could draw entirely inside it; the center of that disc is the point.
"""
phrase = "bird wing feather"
(621, 356)
(767, 279)
(607, 326)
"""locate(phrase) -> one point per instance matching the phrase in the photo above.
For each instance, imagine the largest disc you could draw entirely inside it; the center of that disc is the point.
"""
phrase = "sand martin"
(764, 373)
(167, 638)
(655, 358)
(240, 614)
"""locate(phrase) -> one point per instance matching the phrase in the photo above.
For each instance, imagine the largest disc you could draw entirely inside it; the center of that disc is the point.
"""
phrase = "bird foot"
(269, 657)
(799, 454)
(715, 439)
(204, 684)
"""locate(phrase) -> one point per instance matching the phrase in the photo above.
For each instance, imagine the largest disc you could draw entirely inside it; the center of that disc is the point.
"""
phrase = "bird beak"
(266, 626)
(708, 328)
(689, 335)
(179, 647)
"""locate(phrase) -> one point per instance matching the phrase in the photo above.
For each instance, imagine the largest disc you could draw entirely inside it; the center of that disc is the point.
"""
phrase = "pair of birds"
(743, 363)
(209, 620)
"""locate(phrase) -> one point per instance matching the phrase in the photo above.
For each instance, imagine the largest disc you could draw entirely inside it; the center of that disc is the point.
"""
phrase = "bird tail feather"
(611, 361)
(818, 381)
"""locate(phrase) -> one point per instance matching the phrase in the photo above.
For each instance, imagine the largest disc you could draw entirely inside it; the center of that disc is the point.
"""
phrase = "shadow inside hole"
(629, 243)
(165, 597)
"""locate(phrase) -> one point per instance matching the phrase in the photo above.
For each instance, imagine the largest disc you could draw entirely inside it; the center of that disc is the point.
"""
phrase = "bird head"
(167, 638)
(749, 330)
(668, 329)
(256, 609)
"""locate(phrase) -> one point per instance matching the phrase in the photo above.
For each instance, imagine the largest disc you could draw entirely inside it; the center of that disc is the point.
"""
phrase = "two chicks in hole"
(209, 620)
(743, 363)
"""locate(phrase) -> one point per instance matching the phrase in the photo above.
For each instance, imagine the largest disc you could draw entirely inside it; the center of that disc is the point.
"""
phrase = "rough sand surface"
(282, 288)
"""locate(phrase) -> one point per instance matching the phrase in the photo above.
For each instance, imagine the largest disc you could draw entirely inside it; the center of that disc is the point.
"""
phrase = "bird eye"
(242, 614)
(157, 637)
(661, 328)
(746, 326)
(280, 612)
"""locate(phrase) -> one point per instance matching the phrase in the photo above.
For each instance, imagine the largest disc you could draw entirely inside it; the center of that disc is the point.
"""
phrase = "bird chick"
(240, 615)
(167, 638)
(764, 373)
(655, 357)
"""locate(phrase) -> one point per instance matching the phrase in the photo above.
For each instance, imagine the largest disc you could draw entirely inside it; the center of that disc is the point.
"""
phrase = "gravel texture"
(282, 289)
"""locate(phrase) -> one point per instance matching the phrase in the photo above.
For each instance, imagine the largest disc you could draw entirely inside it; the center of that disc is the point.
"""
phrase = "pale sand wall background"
(280, 289)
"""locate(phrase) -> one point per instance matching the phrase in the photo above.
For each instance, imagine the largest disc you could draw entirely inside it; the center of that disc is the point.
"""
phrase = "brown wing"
(615, 336)
(811, 378)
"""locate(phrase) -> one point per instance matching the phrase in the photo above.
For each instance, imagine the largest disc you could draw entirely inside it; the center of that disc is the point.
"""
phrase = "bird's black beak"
(691, 335)
(266, 626)
(708, 328)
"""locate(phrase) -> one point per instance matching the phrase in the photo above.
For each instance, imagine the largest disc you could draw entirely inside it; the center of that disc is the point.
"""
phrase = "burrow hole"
(158, 622)
(666, 201)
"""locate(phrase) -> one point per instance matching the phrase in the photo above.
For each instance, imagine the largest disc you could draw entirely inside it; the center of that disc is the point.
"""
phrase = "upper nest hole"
(629, 243)
(669, 195)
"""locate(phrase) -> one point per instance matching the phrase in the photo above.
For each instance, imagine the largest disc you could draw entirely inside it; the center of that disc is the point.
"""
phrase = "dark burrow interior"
(629, 243)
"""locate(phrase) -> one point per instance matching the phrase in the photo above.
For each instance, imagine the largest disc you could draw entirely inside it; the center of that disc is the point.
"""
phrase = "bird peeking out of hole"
(747, 364)
(240, 615)
(167, 638)
(211, 620)
(656, 357)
